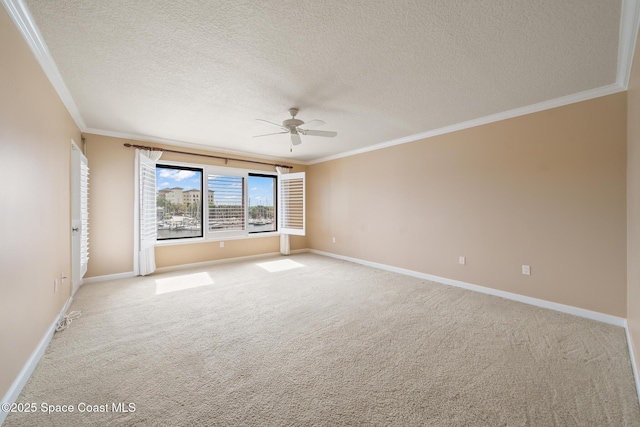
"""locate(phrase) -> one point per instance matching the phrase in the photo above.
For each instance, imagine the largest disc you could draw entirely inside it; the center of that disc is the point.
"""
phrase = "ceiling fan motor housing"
(292, 123)
(291, 126)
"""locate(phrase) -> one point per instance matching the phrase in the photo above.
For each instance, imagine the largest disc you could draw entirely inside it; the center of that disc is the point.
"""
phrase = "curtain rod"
(226, 159)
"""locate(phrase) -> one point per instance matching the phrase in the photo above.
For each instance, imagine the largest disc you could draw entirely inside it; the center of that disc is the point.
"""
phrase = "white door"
(79, 216)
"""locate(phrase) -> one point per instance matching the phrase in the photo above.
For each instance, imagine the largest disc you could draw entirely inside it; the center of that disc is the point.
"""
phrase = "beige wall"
(545, 189)
(633, 206)
(110, 206)
(35, 148)
(111, 212)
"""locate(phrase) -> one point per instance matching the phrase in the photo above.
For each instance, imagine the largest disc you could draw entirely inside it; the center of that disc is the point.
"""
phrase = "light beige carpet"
(326, 343)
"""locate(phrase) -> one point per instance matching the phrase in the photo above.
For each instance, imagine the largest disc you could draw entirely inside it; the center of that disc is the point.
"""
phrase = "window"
(230, 202)
(262, 203)
(226, 210)
(179, 202)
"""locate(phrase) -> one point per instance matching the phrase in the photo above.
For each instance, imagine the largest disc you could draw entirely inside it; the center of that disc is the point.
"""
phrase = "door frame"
(76, 218)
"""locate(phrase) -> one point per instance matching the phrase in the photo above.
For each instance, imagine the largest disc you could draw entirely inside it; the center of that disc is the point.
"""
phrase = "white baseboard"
(581, 312)
(186, 266)
(300, 251)
(14, 391)
(214, 262)
(634, 367)
(108, 277)
(593, 315)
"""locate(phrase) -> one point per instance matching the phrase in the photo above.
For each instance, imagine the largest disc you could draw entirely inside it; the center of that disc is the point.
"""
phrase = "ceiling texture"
(378, 72)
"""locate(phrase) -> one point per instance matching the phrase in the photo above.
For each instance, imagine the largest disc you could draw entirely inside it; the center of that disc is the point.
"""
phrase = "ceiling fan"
(297, 127)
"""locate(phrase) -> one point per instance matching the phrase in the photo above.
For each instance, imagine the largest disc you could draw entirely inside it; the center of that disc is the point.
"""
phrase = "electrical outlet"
(526, 270)
(222, 244)
(333, 239)
(462, 260)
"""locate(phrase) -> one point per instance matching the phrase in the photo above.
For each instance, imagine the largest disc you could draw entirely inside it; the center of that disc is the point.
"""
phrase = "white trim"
(300, 251)
(18, 384)
(219, 235)
(534, 108)
(108, 277)
(634, 367)
(215, 262)
(172, 142)
(581, 312)
(27, 27)
(187, 266)
(23, 20)
(629, 22)
(196, 240)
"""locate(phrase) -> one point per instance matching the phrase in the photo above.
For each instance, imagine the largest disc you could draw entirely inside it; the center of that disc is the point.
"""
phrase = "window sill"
(190, 241)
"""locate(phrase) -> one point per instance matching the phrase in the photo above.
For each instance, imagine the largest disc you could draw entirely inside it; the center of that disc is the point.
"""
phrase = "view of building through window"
(231, 200)
(226, 211)
(179, 208)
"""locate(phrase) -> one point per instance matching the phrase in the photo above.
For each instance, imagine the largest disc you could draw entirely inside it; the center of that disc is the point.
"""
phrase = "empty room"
(320, 213)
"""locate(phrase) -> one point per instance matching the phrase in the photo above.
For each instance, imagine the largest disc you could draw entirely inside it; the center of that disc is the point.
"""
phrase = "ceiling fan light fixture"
(292, 126)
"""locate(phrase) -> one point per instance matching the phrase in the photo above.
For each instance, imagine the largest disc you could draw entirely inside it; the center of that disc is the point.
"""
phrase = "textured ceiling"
(200, 72)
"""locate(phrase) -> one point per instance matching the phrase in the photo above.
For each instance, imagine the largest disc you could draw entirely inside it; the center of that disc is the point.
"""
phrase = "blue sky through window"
(261, 189)
(171, 178)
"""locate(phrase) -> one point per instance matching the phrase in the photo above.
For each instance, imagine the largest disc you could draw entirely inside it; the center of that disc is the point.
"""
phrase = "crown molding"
(629, 28)
(23, 20)
(194, 146)
(629, 23)
(534, 108)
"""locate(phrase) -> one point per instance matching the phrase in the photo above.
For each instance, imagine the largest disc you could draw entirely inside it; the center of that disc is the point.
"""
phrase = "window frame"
(213, 236)
(191, 167)
(276, 198)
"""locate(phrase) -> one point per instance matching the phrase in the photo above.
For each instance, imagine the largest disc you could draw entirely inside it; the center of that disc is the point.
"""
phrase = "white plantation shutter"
(227, 211)
(144, 212)
(148, 222)
(292, 203)
(84, 214)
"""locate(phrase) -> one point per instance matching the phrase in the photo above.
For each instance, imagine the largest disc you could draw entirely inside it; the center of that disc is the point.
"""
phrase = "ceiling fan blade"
(295, 139)
(267, 134)
(274, 124)
(313, 123)
(318, 133)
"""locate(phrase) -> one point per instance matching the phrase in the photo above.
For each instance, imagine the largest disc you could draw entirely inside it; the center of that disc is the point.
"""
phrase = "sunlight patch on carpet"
(180, 283)
(281, 265)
